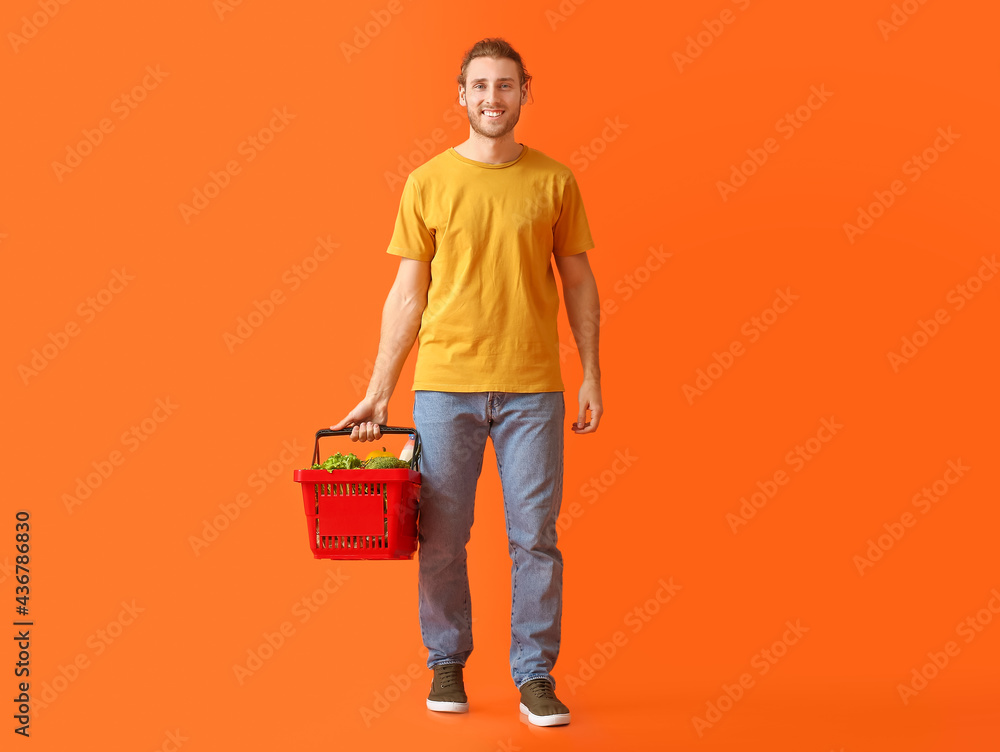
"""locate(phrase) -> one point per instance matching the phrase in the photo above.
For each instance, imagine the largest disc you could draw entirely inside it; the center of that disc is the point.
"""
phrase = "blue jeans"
(527, 434)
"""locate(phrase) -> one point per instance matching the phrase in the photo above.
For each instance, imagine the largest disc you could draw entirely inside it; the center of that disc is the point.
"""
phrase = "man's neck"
(490, 150)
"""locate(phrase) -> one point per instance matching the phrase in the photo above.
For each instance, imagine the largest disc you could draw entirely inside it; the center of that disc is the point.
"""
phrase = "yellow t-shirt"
(489, 231)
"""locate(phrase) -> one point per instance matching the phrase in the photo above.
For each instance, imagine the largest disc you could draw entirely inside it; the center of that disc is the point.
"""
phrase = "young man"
(477, 228)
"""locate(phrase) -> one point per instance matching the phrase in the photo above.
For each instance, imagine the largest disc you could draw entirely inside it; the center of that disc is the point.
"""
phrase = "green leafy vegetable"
(339, 461)
(385, 463)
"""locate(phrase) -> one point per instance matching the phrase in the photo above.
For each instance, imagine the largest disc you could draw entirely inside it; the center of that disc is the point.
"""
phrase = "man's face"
(493, 95)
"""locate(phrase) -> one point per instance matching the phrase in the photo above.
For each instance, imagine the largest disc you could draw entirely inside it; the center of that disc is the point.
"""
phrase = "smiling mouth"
(493, 114)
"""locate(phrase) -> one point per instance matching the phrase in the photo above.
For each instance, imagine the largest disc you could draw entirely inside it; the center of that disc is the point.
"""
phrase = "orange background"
(170, 670)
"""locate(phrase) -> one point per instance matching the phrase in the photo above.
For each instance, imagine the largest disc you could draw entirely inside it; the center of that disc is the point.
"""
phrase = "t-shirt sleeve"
(411, 238)
(571, 232)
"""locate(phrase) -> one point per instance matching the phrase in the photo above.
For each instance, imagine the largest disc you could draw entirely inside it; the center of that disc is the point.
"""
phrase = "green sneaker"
(539, 701)
(448, 690)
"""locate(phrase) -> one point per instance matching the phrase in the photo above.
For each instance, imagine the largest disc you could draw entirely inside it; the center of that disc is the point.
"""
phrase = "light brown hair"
(493, 47)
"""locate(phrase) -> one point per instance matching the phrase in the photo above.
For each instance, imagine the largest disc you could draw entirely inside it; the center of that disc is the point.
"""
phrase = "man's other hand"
(590, 397)
(366, 418)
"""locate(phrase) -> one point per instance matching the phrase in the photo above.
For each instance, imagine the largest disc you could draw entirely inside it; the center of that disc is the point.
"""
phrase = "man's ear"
(461, 95)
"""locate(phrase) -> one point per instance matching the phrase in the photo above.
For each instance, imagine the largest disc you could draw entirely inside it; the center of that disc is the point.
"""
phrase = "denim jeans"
(527, 434)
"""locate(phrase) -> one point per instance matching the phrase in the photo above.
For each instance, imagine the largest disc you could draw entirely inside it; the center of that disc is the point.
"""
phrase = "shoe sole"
(556, 719)
(448, 707)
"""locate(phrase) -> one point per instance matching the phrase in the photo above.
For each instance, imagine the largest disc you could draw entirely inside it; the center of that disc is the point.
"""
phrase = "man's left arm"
(583, 308)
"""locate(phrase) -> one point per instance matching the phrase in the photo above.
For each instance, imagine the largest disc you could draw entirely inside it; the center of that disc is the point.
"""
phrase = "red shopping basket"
(362, 514)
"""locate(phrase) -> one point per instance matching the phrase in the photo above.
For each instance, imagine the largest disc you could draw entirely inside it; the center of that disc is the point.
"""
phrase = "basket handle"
(414, 460)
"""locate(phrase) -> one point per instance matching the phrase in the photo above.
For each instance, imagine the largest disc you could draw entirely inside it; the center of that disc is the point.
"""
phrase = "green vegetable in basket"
(385, 463)
(340, 461)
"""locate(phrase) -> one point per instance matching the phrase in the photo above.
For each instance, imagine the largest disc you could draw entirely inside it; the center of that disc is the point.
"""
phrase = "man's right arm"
(404, 306)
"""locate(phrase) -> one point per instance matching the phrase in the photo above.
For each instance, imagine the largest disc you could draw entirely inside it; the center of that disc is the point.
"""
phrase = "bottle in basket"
(407, 454)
